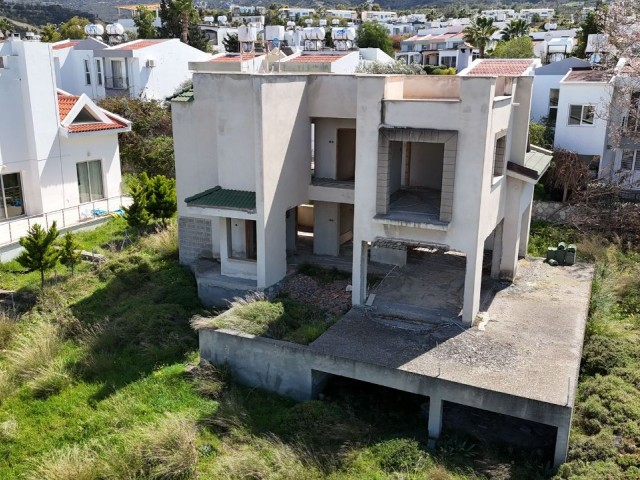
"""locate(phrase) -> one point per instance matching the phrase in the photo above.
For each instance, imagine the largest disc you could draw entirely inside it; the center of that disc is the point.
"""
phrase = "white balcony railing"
(11, 230)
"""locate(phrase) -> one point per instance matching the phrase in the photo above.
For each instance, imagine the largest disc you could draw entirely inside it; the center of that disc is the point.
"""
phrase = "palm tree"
(479, 33)
(515, 28)
(186, 12)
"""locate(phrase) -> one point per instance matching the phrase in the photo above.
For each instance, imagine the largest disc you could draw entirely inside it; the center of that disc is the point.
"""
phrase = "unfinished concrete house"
(380, 164)
(426, 180)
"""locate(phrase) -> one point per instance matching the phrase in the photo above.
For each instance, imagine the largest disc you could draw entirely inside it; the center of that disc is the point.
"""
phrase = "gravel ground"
(332, 297)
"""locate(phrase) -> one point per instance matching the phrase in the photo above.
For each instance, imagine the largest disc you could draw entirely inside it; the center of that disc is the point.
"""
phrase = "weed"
(49, 379)
(7, 329)
(399, 455)
(8, 430)
(323, 274)
(164, 242)
(33, 349)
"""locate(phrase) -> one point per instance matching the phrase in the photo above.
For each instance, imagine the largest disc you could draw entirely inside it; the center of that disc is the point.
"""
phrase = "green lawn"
(98, 381)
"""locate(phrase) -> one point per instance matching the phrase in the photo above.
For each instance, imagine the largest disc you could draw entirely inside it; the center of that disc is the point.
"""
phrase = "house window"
(99, 72)
(87, 72)
(448, 61)
(630, 160)
(12, 201)
(554, 95)
(581, 114)
(498, 156)
(90, 181)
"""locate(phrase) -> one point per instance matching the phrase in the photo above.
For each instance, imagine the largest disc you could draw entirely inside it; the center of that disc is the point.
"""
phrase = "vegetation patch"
(281, 318)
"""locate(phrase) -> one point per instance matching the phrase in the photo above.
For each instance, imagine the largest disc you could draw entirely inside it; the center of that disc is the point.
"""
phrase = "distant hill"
(39, 13)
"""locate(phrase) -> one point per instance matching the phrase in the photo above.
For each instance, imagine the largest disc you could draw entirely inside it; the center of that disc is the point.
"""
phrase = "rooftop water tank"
(115, 29)
(94, 29)
(313, 33)
(222, 19)
(343, 33)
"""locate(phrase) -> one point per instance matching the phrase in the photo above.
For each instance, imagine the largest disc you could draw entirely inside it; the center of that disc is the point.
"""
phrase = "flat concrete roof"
(528, 345)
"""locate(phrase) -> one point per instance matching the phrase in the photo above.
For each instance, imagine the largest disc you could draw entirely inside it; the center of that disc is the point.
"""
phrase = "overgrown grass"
(281, 318)
(323, 274)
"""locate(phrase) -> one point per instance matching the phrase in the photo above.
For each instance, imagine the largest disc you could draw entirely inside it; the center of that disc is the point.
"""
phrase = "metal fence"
(12, 230)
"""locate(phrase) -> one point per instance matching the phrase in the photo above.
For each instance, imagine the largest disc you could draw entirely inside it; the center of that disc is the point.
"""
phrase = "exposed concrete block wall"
(194, 239)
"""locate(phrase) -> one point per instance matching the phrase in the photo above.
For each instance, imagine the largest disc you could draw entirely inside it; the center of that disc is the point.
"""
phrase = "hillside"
(39, 13)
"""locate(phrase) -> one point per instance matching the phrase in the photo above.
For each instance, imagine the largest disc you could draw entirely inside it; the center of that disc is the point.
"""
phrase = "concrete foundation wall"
(194, 239)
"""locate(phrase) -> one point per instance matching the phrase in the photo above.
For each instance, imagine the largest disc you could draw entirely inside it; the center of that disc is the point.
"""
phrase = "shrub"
(70, 255)
(399, 455)
(162, 202)
(603, 353)
(68, 463)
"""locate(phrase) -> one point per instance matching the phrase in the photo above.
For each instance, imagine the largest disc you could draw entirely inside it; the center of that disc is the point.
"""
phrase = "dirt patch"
(331, 297)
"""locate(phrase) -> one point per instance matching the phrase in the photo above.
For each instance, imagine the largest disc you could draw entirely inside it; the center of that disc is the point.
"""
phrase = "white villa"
(388, 163)
(59, 156)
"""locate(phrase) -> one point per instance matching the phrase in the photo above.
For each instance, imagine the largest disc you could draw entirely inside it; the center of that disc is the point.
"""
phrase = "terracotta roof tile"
(139, 44)
(66, 103)
(495, 68)
(316, 58)
(62, 46)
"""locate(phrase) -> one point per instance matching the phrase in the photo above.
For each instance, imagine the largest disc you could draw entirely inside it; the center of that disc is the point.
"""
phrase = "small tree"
(374, 35)
(74, 28)
(70, 254)
(231, 43)
(568, 172)
(39, 253)
(162, 201)
(518, 47)
(136, 214)
(144, 22)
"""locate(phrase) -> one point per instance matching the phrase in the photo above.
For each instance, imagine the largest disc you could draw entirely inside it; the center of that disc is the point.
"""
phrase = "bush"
(399, 455)
(70, 255)
(603, 353)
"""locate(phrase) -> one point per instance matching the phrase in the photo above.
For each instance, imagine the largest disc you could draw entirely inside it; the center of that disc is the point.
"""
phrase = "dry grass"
(168, 449)
(164, 241)
(7, 329)
(49, 379)
(69, 463)
(33, 349)
(265, 458)
(8, 430)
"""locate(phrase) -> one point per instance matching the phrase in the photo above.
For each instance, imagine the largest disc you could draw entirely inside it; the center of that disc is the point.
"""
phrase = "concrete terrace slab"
(530, 347)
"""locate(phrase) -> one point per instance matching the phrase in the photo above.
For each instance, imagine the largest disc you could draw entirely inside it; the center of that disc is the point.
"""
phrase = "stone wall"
(554, 212)
(194, 239)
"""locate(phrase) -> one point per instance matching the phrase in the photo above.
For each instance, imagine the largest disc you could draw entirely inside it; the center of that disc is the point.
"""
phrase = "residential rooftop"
(587, 75)
(139, 44)
(501, 67)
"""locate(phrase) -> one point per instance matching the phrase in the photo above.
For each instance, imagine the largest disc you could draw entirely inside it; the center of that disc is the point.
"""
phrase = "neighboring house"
(127, 14)
(381, 17)
(77, 67)
(59, 157)
(546, 87)
(148, 69)
(444, 47)
(296, 13)
(582, 112)
(389, 163)
(217, 34)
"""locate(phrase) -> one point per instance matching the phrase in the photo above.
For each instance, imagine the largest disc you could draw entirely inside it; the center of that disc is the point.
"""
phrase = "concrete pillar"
(524, 232)
(359, 276)
(389, 256)
(272, 250)
(511, 231)
(496, 255)
(435, 419)
(562, 443)
(326, 228)
(472, 282)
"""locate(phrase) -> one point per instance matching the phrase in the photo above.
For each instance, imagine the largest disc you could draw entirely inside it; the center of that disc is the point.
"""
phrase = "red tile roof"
(316, 58)
(498, 68)
(66, 103)
(61, 46)
(139, 44)
(234, 57)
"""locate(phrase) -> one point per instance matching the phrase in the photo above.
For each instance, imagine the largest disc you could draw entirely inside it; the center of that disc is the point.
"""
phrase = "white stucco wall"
(542, 84)
(582, 139)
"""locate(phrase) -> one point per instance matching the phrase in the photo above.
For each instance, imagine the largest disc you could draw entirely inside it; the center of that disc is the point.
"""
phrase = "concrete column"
(292, 226)
(272, 250)
(359, 276)
(496, 255)
(524, 232)
(562, 444)
(511, 232)
(435, 419)
(326, 228)
(472, 282)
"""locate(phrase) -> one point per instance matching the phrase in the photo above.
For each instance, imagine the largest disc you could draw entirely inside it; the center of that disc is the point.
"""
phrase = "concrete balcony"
(329, 190)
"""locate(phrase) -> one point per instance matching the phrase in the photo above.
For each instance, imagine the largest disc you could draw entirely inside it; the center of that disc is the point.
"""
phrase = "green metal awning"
(184, 96)
(218, 197)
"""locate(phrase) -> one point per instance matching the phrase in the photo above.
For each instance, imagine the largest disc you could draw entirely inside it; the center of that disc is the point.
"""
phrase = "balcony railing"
(117, 83)
(11, 230)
